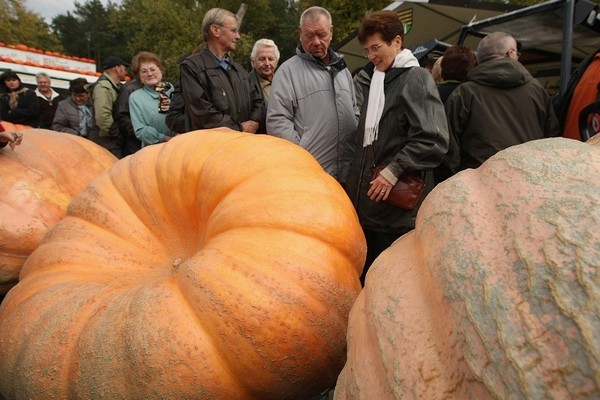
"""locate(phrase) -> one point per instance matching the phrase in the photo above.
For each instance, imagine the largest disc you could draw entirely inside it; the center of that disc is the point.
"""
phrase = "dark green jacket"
(500, 105)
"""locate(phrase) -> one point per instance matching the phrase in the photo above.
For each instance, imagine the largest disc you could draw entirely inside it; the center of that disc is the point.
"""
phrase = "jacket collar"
(337, 62)
(211, 61)
(53, 94)
(365, 75)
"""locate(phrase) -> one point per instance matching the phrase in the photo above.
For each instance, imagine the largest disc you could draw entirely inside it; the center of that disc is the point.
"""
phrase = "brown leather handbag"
(407, 192)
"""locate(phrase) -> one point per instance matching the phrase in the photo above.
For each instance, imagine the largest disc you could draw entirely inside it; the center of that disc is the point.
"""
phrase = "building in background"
(27, 62)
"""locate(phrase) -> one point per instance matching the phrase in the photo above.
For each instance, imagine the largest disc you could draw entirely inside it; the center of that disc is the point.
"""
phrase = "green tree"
(258, 23)
(172, 28)
(18, 25)
(283, 27)
(68, 29)
(258, 18)
(167, 28)
(271, 19)
(89, 31)
(346, 14)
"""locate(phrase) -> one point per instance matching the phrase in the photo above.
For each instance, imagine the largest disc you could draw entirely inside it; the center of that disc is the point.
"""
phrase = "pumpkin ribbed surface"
(39, 179)
(495, 294)
(220, 265)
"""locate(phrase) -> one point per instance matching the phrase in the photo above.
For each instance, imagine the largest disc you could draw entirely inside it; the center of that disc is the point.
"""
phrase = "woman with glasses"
(402, 128)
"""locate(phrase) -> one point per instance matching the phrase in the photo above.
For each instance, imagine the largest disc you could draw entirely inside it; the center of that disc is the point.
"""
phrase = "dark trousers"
(377, 242)
(131, 145)
(110, 143)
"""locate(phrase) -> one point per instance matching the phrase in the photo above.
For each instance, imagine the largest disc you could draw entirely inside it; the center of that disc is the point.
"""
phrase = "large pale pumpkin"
(38, 179)
(495, 294)
(220, 265)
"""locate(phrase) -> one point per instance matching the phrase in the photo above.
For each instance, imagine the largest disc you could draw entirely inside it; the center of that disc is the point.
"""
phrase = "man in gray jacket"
(499, 105)
(312, 96)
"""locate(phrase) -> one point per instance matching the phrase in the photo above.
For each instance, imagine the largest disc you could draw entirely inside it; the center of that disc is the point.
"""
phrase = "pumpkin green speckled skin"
(38, 180)
(495, 294)
(219, 265)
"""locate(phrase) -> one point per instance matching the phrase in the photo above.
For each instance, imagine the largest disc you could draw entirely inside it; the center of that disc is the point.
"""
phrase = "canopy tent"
(424, 20)
(553, 36)
(543, 31)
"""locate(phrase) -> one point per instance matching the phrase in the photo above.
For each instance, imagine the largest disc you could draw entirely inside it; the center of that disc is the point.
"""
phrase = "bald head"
(496, 45)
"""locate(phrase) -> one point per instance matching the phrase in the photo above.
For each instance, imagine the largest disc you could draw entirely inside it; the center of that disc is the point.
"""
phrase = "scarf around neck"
(376, 102)
(164, 101)
(13, 97)
(85, 120)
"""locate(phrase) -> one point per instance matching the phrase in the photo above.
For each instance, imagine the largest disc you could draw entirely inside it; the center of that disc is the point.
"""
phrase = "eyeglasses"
(149, 71)
(233, 30)
(518, 53)
(373, 49)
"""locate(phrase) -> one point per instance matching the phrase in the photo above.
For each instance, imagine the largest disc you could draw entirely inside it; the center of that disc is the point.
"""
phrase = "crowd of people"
(368, 130)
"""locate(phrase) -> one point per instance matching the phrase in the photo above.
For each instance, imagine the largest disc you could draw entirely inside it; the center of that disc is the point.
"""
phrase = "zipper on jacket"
(360, 178)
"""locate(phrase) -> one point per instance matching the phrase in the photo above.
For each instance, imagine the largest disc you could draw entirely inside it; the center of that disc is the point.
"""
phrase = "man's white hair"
(264, 43)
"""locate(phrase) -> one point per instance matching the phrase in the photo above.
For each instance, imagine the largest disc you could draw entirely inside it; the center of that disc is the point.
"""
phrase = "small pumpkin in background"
(38, 179)
(495, 294)
(219, 265)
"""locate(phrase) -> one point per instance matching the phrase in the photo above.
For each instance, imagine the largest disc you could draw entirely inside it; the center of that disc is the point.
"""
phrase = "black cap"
(113, 61)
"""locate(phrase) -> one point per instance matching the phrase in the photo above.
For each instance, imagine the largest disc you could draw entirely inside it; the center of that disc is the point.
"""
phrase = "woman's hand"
(164, 103)
(167, 138)
(379, 189)
(12, 138)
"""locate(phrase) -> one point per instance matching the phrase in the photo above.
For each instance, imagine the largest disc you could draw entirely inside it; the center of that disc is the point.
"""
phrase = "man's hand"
(249, 126)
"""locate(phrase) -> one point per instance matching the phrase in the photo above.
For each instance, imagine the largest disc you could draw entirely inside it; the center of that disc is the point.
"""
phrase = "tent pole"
(567, 45)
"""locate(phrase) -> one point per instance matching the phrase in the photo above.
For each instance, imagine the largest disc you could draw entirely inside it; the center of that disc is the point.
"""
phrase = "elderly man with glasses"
(498, 106)
(216, 90)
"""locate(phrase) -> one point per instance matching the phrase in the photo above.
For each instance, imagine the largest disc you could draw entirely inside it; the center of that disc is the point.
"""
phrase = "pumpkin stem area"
(177, 263)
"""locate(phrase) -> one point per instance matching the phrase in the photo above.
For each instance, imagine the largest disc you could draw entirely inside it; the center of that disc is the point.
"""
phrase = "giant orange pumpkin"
(220, 265)
(9, 126)
(495, 294)
(38, 179)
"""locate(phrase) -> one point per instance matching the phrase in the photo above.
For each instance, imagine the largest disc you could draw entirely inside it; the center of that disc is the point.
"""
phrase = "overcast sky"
(51, 8)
